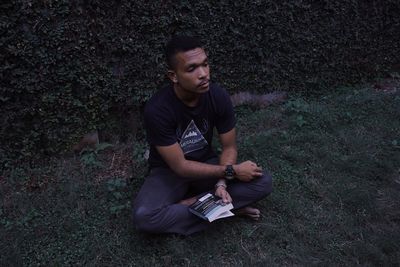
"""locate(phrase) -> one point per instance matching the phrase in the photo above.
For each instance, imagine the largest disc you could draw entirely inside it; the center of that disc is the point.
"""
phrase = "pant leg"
(246, 193)
(156, 210)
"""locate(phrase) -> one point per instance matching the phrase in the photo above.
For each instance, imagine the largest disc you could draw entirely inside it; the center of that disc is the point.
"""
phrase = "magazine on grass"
(210, 207)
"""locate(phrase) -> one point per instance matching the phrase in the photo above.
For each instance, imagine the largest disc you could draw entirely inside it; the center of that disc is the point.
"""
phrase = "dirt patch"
(116, 163)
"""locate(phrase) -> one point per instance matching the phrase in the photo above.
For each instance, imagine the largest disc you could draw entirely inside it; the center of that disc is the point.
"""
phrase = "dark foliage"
(69, 66)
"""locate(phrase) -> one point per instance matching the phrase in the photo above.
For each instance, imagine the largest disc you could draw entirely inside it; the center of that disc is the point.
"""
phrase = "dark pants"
(156, 208)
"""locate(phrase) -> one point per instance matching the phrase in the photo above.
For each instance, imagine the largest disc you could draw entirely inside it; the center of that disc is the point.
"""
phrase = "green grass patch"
(335, 160)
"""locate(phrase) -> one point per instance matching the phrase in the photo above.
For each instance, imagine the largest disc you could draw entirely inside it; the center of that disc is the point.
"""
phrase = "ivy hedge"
(72, 66)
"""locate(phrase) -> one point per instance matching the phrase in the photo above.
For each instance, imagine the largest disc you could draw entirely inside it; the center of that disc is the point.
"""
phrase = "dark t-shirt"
(168, 121)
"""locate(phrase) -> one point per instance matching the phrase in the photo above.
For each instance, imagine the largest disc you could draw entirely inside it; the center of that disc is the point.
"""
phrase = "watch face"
(229, 172)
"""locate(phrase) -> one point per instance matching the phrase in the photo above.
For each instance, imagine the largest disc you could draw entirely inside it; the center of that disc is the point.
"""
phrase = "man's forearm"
(194, 169)
(228, 156)
(189, 169)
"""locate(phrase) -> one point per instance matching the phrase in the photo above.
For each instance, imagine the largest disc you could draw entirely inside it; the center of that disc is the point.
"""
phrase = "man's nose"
(202, 72)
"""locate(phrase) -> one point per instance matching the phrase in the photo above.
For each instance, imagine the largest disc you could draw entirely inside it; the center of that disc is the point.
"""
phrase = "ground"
(335, 160)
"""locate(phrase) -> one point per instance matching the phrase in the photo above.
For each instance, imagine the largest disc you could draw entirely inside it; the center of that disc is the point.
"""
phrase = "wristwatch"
(229, 172)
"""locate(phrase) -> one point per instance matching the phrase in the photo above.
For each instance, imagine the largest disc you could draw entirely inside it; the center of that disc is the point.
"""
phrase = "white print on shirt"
(192, 139)
(190, 134)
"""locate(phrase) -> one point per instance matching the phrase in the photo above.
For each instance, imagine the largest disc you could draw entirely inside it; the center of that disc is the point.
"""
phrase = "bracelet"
(220, 184)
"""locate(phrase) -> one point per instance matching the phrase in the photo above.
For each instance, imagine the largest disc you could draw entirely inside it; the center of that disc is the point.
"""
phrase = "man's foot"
(250, 212)
(188, 201)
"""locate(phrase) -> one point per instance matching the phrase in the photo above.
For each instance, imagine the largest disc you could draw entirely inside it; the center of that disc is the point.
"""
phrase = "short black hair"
(180, 43)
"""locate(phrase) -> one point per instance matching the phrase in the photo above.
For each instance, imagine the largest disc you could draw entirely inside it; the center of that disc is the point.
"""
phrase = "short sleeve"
(225, 120)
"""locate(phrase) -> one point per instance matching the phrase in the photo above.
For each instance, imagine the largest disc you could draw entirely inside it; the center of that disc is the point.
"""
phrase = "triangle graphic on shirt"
(192, 139)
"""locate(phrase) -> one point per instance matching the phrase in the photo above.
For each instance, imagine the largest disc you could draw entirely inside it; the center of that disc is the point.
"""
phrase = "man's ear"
(172, 76)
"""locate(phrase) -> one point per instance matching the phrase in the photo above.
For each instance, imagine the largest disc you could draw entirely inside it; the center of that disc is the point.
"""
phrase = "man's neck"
(188, 98)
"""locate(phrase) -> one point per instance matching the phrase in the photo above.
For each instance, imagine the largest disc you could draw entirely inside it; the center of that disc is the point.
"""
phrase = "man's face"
(191, 72)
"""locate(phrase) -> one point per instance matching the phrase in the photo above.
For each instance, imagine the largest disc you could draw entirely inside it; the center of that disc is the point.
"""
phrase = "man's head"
(187, 64)
(180, 44)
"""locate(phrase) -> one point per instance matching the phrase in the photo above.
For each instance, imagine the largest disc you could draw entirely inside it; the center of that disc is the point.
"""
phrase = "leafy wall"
(67, 66)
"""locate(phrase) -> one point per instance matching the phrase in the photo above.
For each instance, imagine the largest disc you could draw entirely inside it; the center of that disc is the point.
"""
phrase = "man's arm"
(174, 157)
(229, 149)
(245, 171)
(228, 157)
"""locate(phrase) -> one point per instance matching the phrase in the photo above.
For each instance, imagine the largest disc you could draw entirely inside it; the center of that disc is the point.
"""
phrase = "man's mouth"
(204, 84)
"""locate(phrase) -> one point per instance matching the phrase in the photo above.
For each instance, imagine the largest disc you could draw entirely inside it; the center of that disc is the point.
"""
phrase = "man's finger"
(257, 173)
(225, 199)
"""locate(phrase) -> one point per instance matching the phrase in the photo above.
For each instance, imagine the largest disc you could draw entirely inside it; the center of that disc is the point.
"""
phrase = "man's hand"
(221, 192)
(247, 171)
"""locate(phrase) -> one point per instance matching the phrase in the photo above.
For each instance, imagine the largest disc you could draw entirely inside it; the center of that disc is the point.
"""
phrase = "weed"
(119, 195)
(89, 156)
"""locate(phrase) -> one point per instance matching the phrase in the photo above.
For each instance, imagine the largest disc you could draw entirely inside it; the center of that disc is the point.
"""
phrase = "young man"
(180, 120)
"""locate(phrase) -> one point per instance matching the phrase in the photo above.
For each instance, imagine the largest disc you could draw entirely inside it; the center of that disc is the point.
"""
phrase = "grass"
(335, 160)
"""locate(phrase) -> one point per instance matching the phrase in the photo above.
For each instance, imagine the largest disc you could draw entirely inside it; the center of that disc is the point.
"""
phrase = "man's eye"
(205, 64)
(191, 69)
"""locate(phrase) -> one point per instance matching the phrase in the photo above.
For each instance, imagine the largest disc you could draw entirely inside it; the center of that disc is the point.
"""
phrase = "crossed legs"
(156, 208)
